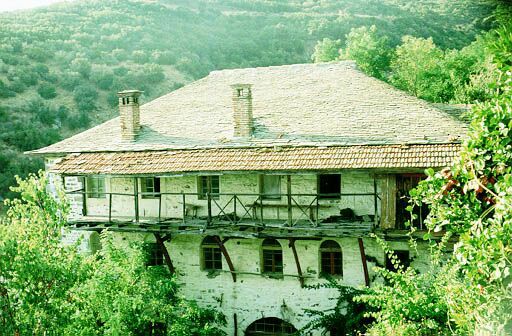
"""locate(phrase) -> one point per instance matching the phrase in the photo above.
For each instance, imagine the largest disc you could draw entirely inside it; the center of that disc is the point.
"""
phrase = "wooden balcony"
(239, 214)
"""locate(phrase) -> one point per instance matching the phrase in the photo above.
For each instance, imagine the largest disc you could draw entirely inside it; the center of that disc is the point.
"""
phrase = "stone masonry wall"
(254, 295)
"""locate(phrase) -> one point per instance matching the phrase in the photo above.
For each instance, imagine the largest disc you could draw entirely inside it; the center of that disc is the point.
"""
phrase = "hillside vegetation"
(60, 66)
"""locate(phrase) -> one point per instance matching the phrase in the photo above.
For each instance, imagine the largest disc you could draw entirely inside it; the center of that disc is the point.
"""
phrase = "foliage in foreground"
(347, 317)
(50, 289)
(473, 201)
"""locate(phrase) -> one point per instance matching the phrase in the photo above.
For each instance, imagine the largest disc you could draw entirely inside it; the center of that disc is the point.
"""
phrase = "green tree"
(370, 51)
(36, 270)
(326, 50)
(48, 288)
(82, 66)
(416, 68)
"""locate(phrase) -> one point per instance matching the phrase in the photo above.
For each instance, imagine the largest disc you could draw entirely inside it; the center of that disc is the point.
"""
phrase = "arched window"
(270, 326)
(331, 258)
(212, 256)
(272, 254)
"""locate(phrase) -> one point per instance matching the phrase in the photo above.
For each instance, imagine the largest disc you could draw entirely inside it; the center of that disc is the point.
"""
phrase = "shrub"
(47, 91)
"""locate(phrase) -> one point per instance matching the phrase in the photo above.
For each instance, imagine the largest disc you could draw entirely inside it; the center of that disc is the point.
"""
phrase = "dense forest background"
(61, 66)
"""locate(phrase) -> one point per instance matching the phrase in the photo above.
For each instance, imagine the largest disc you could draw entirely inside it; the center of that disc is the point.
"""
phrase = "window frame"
(269, 326)
(269, 250)
(209, 243)
(209, 186)
(329, 195)
(331, 250)
(156, 187)
(95, 190)
(271, 196)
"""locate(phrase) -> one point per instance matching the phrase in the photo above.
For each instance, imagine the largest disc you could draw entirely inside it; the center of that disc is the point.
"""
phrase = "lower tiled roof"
(259, 159)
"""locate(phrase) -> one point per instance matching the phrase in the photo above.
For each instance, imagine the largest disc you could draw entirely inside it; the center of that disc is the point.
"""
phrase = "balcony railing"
(288, 209)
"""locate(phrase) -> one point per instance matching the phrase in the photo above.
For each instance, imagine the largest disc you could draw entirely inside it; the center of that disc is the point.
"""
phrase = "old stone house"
(252, 183)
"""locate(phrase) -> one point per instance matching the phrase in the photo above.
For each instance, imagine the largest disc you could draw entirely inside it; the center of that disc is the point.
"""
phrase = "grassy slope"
(183, 40)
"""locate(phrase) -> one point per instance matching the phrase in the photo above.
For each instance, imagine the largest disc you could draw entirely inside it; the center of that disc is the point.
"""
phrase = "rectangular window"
(270, 186)
(208, 184)
(95, 187)
(150, 187)
(331, 263)
(329, 186)
(272, 261)
(212, 258)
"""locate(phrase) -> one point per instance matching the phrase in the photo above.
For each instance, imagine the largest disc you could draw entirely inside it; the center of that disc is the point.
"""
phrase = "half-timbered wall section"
(354, 198)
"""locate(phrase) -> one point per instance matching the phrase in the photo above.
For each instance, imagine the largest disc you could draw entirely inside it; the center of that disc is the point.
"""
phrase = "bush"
(70, 80)
(47, 91)
(6, 92)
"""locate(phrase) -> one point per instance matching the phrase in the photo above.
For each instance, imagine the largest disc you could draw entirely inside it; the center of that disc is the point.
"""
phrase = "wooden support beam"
(226, 256)
(160, 241)
(297, 262)
(235, 324)
(363, 260)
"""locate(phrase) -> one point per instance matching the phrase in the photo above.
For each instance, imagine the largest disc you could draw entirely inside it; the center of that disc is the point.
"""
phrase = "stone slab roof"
(293, 105)
(259, 159)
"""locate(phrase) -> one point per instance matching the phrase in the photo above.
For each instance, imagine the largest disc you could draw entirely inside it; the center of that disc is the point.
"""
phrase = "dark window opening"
(270, 326)
(240, 92)
(402, 256)
(272, 254)
(209, 184)
(212, 255)
(404, 184)
(270, 187)
(154, 254)
(329, 186)
(150, 187)
(331, 258)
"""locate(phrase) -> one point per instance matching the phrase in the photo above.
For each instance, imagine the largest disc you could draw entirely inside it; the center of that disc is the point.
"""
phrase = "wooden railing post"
(234, 209)
(375, 204)
(317, 210)
(159, 208)
(136, 197)
(184, 208)
(289, 199)
(261, 210)
(84, 196)
(110, 207)
(209, 200)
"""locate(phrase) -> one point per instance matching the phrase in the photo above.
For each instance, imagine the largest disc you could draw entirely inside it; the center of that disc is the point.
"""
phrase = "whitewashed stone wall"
(254, 296)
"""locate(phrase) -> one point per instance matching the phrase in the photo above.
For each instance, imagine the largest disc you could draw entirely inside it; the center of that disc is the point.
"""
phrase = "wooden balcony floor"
(242, 227)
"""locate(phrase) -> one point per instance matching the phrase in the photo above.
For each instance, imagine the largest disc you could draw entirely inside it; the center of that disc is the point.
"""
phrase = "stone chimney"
(242, 110)
(129, 114)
